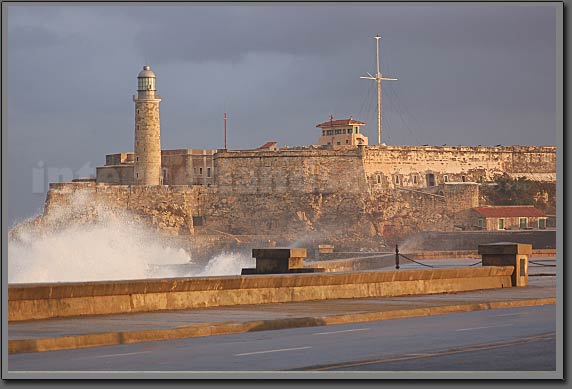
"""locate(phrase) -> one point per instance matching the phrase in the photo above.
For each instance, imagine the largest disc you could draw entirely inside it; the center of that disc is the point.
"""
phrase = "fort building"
(511, 217)
(342, 187)
(342, 132)
(178, 167)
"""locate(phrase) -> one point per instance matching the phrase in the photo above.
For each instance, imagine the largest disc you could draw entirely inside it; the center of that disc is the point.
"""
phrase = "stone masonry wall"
(147, 169)
(305, 170)
(166, 208)
(316, 194)
(476, 164)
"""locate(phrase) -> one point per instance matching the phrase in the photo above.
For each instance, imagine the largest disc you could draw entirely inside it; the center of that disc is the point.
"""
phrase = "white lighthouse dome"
(146, 73)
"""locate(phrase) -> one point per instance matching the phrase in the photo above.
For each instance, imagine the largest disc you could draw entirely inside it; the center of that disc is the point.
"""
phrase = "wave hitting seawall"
(111, 246)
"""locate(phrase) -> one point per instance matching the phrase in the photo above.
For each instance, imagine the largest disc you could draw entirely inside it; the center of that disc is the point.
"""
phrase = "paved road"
(521, 338)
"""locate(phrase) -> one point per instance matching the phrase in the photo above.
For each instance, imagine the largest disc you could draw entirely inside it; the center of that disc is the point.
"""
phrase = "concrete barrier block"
(508, 254)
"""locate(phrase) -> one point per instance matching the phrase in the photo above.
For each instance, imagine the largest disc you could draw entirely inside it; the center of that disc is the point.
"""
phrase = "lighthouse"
(147, 130)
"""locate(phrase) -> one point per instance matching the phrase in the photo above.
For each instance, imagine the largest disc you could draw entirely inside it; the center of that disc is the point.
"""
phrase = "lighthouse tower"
(147, 130)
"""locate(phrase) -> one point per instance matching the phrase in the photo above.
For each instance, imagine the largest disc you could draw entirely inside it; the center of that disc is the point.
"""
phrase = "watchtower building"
(147, 158)
(342, 132)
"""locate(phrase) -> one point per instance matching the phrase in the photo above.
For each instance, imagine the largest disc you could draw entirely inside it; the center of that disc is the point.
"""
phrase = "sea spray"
(227, 264)
(83, 241)
(108, 249)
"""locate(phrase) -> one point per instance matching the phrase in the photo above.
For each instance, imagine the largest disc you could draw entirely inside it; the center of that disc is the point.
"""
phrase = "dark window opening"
(430, 179)
(198, 221)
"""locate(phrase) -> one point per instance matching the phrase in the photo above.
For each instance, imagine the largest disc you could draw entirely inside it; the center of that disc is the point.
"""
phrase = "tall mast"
(378, 77)
(225, 130)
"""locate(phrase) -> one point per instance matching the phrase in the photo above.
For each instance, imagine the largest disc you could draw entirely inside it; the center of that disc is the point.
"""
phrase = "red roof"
(268, 145)
(341, 122)
(509, 211)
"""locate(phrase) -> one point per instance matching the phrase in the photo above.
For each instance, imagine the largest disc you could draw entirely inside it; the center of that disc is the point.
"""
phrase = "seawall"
(43, 301)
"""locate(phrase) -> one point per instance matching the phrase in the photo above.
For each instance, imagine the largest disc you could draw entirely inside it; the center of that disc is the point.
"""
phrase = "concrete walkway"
(59, 334)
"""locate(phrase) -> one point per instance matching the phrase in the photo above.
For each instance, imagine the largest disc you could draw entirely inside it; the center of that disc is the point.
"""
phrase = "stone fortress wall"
(316, 193)
(412, 166)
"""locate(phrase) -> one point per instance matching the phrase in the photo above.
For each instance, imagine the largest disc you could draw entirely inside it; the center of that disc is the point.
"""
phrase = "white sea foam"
(113, 246)
(227, 264)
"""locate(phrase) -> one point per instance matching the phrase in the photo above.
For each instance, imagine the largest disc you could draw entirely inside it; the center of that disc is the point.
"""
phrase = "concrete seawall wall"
(43, 301)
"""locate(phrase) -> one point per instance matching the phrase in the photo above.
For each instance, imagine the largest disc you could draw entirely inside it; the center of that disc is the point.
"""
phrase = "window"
(480, 178)
(379, 179)
(137, 158)
(338, 143)
(198, 221)
(397, 179)
(415, 179)
(501, 224)
(324, 132)
(523, 222)
(356, 129)
(463, 178)
(344, 131)
(446, 178)
(481, 223)
(430, 179)
(542, 223)
(200, 171)
(347, 141)
(208, 172)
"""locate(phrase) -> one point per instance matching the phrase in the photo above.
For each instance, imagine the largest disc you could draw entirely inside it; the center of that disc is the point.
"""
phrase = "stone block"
(325, 248)
(279, 261)
(510, 254)
(505, 248)
(279, 253)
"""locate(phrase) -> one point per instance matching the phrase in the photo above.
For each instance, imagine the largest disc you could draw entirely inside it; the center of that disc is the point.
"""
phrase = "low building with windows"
(512, 217)
(344, 132)
(178, 167)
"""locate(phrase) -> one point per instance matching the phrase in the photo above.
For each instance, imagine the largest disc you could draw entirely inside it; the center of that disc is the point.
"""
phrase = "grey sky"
(468, 74)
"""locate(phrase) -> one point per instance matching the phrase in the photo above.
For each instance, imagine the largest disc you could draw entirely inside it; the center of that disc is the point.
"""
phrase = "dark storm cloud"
(229, 33)
(468, 74)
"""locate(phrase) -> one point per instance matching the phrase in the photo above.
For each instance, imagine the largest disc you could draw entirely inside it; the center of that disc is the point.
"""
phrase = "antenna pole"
(378, 78)
(225, 130)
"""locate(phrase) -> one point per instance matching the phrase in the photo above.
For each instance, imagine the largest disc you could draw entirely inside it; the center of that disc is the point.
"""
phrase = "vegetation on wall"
(520, 191)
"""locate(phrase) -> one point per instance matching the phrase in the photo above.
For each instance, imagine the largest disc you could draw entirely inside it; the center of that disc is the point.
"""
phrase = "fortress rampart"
(414, 165)
(342, 194)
